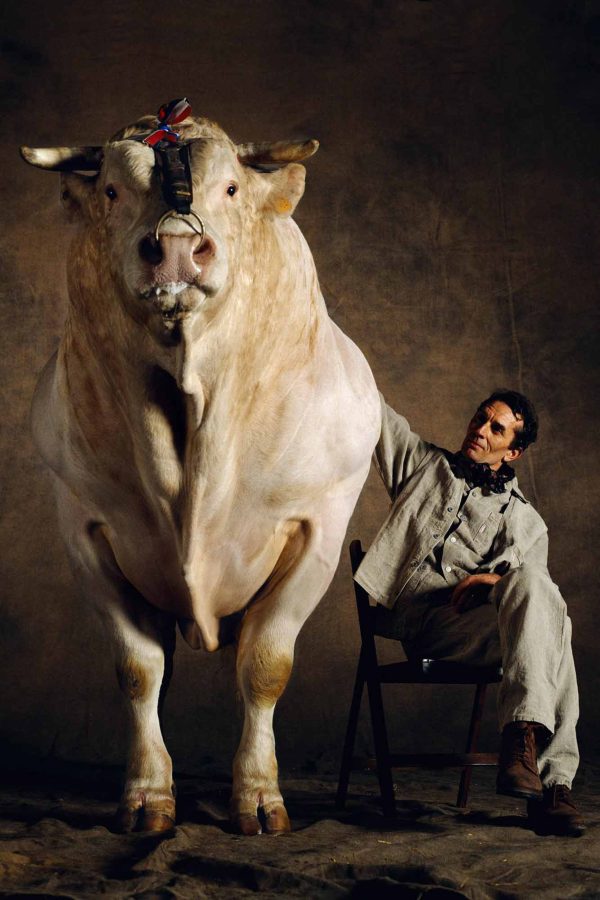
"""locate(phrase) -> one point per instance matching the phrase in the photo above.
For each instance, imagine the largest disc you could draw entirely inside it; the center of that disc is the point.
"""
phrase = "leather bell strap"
(175, 176)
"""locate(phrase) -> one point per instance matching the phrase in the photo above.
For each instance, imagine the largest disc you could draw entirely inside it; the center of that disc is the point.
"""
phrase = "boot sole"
(558, 829)
(519, 793)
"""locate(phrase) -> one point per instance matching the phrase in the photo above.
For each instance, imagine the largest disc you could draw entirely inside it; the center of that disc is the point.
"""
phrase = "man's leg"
(429, 628)
(540, 686)
(539, 683)
(531, 635)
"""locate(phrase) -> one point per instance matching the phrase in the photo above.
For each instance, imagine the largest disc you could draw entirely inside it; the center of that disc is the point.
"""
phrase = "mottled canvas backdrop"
(453, 214)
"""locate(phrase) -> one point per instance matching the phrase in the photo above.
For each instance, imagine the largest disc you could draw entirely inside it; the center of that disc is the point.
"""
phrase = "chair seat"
(428, 760)
(436, 671)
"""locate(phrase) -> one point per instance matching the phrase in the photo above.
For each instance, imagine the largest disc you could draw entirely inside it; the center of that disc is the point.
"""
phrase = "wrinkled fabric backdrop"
(453, 212)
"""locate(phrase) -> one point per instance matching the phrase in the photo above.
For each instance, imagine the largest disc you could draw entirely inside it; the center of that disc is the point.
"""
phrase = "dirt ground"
(56, 841)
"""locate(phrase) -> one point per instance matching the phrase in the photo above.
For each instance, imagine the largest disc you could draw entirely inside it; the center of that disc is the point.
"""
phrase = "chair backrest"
(364, 608)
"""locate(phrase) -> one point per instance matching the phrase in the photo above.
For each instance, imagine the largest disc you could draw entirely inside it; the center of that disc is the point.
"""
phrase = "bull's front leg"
(264, 663)
(144, 641)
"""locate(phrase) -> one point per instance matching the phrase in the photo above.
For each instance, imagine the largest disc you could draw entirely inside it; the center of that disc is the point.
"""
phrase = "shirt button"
(435, 534)
(448, 568)
(450, 508)
(453, 539)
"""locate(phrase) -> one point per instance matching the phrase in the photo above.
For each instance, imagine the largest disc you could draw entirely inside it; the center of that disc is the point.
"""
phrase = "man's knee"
(529, 583)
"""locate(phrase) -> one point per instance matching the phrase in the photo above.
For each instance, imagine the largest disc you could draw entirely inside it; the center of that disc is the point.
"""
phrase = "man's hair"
(523, 409)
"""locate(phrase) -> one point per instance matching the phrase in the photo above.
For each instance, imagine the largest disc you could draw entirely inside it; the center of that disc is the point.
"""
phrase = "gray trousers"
(526, 629)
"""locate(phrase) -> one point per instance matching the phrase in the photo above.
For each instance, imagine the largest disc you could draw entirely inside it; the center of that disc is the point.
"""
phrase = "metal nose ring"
(172, 214)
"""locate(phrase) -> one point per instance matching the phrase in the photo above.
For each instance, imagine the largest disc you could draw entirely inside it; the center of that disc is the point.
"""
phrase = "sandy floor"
(56, 842)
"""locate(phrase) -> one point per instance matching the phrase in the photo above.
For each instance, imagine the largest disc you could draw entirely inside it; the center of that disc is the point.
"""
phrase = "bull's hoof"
(145, 818)
(126, 820)
(274, 821)
(157, 822)
(277, 821)
(246, 824)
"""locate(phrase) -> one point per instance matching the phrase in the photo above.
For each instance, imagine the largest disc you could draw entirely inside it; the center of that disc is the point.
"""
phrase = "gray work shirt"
(468, 541)
(439, 530)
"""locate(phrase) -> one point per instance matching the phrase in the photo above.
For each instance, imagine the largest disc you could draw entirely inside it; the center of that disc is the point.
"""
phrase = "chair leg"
(371, 675)
(348, 751)
(382, 752)
(474, 726)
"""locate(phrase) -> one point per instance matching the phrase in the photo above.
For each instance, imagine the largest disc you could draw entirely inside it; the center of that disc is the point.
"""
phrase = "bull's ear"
(285, 188)
(279, 153)
(77, 193)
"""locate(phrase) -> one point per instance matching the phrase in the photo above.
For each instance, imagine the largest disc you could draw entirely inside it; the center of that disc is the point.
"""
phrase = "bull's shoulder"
(330, 421)
(352, 358)
(353, 386)
(45, 416)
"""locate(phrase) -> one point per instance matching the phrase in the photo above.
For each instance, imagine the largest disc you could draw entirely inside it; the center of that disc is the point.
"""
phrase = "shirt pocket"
(464, 551)
(481, 533)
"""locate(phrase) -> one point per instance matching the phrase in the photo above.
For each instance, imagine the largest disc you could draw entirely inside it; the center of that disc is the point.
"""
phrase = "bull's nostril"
(150, 250)
(205, 248)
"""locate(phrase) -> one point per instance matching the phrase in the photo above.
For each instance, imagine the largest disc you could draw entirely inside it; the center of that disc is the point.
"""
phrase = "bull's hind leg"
(264, 662)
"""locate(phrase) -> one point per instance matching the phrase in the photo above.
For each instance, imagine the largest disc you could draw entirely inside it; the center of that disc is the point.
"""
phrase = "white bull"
(210, 429)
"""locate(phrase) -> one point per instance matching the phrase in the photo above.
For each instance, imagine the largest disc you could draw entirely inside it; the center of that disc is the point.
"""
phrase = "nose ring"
(171, 214)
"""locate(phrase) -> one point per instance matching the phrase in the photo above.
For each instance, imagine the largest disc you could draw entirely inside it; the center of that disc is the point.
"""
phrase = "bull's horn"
(64, 159)
(280, 153)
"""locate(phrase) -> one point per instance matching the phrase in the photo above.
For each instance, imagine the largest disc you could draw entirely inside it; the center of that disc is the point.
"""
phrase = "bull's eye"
(232, 189)
(110, 192)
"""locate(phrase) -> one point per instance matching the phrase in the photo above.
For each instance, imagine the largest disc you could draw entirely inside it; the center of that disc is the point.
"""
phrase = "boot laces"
(521, 749)
(562, 794)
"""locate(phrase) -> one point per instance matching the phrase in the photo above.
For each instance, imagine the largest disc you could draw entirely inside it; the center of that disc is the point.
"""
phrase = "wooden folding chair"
(422, 671)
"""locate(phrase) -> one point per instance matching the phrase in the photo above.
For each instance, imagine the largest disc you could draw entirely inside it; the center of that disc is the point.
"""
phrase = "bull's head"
(171, 258)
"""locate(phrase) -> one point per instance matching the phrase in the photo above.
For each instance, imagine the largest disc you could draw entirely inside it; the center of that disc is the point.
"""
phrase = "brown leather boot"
(517, 766)
(556, 813)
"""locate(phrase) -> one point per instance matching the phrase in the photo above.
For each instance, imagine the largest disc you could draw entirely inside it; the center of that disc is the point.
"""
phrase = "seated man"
(460, 568)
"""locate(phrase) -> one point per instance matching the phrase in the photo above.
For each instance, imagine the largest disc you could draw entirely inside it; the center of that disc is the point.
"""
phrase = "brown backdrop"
(453, 214)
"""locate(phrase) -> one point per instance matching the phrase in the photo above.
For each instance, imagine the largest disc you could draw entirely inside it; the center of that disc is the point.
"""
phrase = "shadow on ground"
(56, 841)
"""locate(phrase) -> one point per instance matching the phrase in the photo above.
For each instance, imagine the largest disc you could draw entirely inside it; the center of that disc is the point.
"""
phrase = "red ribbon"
(169, 114)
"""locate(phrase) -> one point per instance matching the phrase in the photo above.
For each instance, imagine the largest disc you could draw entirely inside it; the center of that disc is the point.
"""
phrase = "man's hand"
(472, 591)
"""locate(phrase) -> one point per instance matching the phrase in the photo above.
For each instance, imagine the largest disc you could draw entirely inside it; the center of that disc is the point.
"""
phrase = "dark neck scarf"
(480, 474)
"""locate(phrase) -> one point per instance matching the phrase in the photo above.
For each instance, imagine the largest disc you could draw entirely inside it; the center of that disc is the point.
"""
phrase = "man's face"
(490, 435)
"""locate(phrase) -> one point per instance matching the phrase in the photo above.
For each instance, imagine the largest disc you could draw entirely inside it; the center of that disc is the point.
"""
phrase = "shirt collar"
(480, 475)
(516, 490)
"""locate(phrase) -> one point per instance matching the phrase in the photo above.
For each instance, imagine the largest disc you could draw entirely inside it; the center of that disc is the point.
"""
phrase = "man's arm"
(399, 450)
(473, 591)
